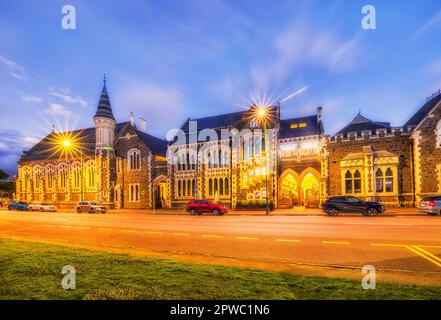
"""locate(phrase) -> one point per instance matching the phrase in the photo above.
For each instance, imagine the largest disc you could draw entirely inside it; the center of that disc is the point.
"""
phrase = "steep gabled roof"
(423, 111)
(45, 149)
(214, 122)
(313, 127)
(156, 145)
(361, 123)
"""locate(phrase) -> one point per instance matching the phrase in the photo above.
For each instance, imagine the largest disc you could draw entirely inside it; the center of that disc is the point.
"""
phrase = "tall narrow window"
(215, 186)
(210, 164)
(193, 187)
(263, 145)
(179, 188)
(134, 157)
(226, 159)
(184, 188)
(245, 151)
(210, 187)
(221, 186)
(389, 180)
(227, 191)
(257, 145)
(189, 191)
(348, 182)
(250, 148)
(379, 181)
(357, 182)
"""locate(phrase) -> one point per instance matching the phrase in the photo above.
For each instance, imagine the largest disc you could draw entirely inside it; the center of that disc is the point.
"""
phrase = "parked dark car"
(18, 205)
(201, 206)
(335, 205)
(431, 205)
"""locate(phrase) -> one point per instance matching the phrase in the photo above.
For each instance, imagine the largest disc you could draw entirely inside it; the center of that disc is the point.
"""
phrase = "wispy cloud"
(433, 23)
(14, 69)
(68, 96)
(12, 144)
(31, 99)
(56, 109)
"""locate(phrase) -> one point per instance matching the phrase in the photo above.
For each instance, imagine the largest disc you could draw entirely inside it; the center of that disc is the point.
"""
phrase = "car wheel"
(78, 210)
(9, 208)
(216, 212)
(193, 212)
(91, 210)
(41, 210)
(332, 212)
(372, 212)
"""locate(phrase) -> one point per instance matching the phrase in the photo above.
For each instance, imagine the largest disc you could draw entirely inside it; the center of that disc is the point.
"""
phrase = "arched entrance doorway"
(289, 189)
(160, 192)
(310, 190)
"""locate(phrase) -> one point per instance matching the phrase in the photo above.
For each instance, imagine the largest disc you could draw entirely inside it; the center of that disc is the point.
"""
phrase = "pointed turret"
(104, 107)
(104, 121)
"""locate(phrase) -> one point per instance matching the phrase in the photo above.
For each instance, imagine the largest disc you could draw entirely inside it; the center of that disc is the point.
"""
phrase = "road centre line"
(246, 238)
(335, 242)
(181, 234)
(153, 232)
(287, 240)
(211, 236)
(104, 229)
(129, 231)
(65, 227)
(379, 224)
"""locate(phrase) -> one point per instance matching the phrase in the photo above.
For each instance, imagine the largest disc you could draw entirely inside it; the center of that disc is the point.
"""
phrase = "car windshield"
(353, 199)
(432, 198)
(45, 204)
(93, 203)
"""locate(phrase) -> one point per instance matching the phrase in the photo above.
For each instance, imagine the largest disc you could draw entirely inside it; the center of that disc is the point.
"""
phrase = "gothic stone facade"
(122, 166)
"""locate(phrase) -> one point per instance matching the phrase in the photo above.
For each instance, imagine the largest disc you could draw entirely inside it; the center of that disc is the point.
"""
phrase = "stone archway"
(310, 188)
(289, 189)
(160, 192)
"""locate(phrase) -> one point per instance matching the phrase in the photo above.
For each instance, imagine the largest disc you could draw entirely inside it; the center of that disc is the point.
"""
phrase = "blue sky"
(169, 60)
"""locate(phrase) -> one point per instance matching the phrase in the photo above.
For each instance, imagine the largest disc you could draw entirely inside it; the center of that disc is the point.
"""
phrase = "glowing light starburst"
(67, 144)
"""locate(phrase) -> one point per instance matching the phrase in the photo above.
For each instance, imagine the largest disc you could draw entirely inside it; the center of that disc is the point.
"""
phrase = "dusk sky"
(169, 60)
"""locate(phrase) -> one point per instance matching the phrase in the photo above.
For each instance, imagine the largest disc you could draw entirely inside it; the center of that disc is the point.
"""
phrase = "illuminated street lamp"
(262, 115)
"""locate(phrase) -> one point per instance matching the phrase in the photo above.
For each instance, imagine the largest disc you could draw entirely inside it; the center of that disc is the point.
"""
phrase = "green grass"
(33, 271)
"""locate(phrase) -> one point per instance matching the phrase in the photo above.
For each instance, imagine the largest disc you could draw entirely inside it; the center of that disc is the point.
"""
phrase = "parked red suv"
(201, 206)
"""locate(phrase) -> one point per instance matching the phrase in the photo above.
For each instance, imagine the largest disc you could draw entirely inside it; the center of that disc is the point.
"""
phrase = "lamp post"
(262, 116)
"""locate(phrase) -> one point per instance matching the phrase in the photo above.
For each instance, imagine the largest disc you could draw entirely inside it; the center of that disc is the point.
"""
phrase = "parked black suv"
(335, 205)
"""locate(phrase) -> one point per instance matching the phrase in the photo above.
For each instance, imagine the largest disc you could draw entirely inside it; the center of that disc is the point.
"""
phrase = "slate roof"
(423, 111)
(313, 127)
(360, 123)
(157, 146)
(45, 148)
(104, 107)
(214, 122)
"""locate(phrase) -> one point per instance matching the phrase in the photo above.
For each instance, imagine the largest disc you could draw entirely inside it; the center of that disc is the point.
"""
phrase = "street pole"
(82, 174)
(266, 167)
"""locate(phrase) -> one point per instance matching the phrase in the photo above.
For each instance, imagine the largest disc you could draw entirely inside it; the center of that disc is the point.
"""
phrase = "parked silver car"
(91, 207)
(431, 205)
(43, 207)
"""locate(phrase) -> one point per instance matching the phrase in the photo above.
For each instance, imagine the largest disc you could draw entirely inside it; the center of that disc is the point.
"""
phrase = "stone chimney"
(142, 125)
(132, 119)
(319, 114)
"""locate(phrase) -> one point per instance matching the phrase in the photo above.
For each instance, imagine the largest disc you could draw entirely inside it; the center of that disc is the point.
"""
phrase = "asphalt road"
(403, 249)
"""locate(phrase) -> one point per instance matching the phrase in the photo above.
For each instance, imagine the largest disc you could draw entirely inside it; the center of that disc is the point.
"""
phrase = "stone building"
(239, 159)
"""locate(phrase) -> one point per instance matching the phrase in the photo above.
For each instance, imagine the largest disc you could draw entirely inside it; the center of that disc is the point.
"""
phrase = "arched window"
(348, 182)
(226, 159)
(210, 187)
(245, 150)
(134, 157)
(250, 148)
(221, 186)
(76, 173)
(179, 188)
(136, 192)
(210, 164)
(221, 162)
(193, 162)
(189, 191)
(38, 172)
(227, 191)
(263, 144)
(257, 145)
(116, 195)
(379, 181)
(193, 187)
(184, 188)
(389, 180)
(357, 182)
(50, 175)
(90, 174)
(63, 175)
(215, 186)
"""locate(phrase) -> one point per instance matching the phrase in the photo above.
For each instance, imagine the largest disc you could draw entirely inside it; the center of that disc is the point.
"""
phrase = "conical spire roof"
(104, 107)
